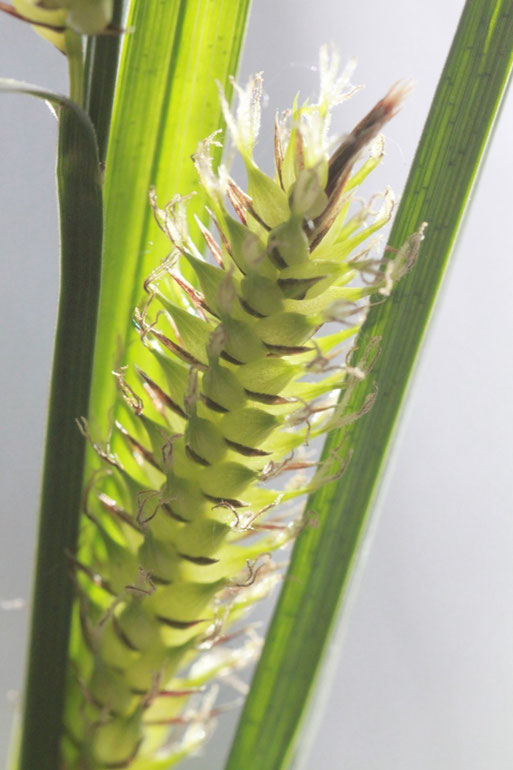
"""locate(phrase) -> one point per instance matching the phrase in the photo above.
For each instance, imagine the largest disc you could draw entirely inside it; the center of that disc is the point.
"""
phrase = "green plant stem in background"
(101, 69)
(81, 235)
(75, 66)
(166, 103)
(444, 170)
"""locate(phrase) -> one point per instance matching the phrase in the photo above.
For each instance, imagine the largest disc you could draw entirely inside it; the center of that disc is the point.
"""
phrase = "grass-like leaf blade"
(80, 209)
(166, 103)
(438, 189)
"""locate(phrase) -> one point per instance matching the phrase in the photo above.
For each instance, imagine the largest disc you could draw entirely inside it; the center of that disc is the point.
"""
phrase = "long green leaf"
(438, 189)
(81, 237)
(166, 103)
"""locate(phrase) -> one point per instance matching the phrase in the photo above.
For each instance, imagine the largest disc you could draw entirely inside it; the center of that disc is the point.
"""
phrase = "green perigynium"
(180, 524)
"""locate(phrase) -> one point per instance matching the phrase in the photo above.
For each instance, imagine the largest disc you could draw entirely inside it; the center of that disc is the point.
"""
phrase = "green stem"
(75, 58)
(81, 238)
(443, 173)
(101, 74)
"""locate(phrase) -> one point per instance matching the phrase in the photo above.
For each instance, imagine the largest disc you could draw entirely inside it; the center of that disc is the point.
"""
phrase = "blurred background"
(423, 676)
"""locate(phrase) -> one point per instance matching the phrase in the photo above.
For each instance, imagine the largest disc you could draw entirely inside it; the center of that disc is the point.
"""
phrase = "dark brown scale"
(246, 450)
(112, 507)
(238, 199)
(297, 288)
(178, 350)
(243, 204)
(196, 297)
(170, 512)
(158, 396)
(228, 500)
(213, 405)
(251, 311)
(341, 162)
(160, 581)
(201, 561)
(277, 259)
(180, 625)
(222, 236)
(137, 447)
(286, 350)
(212, 244)
(231, 360)
(267, 398)
(194, 456)
(122, 636)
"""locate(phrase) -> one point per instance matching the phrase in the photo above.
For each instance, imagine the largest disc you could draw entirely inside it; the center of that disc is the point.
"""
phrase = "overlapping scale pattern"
(249, 351)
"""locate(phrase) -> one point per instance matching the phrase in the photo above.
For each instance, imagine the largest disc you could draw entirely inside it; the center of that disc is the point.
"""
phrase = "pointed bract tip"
(393, 101)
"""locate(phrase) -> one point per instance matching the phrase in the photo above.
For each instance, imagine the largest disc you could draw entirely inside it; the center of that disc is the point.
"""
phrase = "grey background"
(424, 678)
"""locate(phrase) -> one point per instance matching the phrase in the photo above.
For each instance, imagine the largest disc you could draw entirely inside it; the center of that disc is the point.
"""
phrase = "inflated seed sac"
(51, 18)
(206, 459)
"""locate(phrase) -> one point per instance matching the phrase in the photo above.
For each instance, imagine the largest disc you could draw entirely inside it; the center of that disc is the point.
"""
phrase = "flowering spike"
(177, 539)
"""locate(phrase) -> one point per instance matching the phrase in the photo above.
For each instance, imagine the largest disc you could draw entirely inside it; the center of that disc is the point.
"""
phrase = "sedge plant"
(250, 326)
(180, 523)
